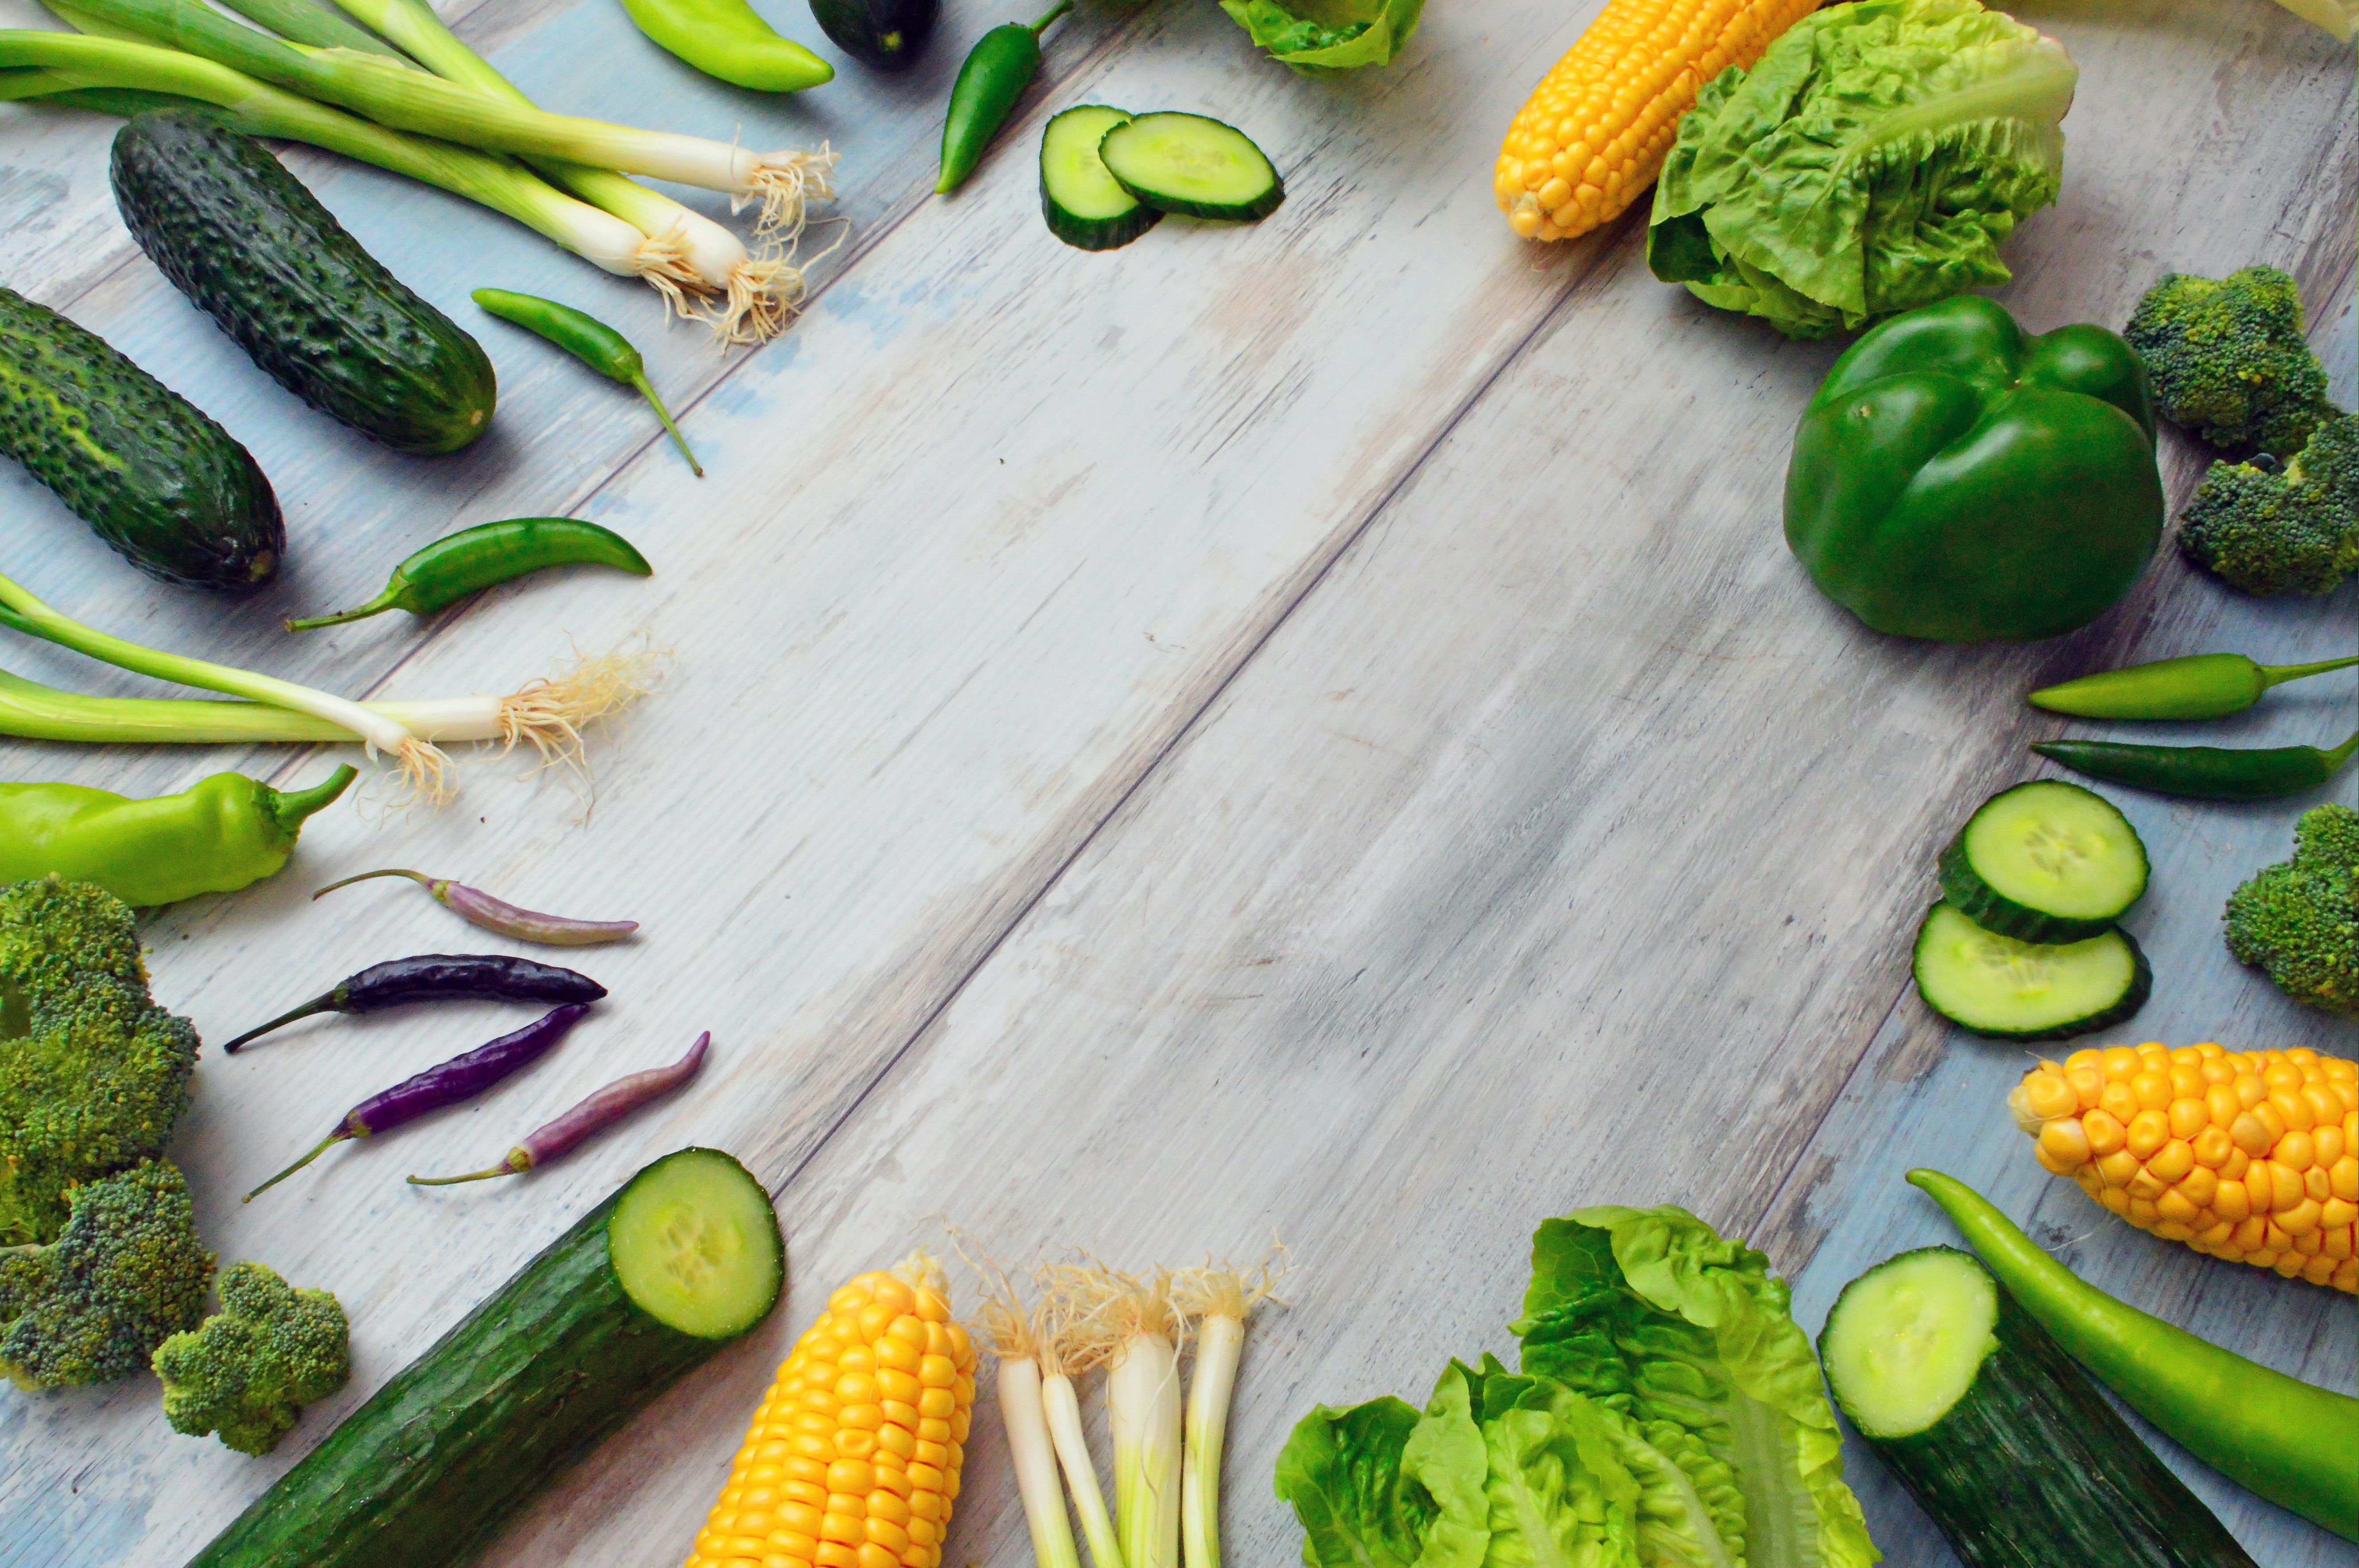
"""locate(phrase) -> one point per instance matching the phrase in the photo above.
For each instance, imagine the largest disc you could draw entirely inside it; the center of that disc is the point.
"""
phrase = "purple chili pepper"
(460, 1078)
(478, 907)
(599, 1112)
(440, 977)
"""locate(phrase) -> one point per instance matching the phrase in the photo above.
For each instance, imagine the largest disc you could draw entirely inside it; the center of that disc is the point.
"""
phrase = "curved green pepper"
(215, 838)
(726, 38)
(1955, 480)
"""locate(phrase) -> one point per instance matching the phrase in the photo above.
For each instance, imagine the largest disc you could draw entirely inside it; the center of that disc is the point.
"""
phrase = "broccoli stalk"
(2299, 919)
(250, 1369)
(127, 1272)
(2229, 361)
(2267, 531)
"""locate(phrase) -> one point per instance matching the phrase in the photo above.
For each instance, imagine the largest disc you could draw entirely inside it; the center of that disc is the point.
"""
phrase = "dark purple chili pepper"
(460, 1078)
(440, 977)
(478, 907)
(599, 1112)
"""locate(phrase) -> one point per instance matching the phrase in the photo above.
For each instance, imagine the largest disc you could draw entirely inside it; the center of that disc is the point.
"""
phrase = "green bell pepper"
(1955, 480)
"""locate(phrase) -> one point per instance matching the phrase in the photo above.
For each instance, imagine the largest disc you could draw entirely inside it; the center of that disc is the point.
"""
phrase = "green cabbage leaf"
(1320, 36)
(1870, 162)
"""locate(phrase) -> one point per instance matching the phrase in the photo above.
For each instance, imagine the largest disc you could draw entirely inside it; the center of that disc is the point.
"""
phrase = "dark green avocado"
(235, 232)
(141, 465)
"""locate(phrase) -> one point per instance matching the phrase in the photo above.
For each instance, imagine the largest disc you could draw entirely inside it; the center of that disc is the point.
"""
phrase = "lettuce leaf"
(1320, 36)
(1870, 162)
(1651, 1315)
(1378, 1485)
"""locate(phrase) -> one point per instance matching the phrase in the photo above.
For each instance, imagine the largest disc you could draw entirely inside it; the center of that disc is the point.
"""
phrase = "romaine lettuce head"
(1320, 36)
(1650, 1314)
(1869, 163)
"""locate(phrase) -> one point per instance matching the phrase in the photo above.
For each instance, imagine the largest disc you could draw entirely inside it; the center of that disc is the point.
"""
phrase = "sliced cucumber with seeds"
(1086, 207)
(1192, 165)
(1995, 1430)
(2045, 862)
(2006, 989)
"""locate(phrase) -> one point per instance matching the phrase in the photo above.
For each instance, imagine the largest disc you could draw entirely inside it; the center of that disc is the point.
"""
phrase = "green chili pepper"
(2203, 772)
(589, 340)
(724, 38)
(226, 831)
(2272, 1433)
(2204, 686)
(1001, 65)
(486, 556)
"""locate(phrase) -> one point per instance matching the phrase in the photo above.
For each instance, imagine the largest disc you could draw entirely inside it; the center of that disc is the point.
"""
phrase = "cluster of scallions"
(390, 84)
(1166, 1455)
(549, 714)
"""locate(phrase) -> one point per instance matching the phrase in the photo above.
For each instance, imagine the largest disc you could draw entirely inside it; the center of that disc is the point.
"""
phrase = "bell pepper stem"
(2279, 674)
(292, 806)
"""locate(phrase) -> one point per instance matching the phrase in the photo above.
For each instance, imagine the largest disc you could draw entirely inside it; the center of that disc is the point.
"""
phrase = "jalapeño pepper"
(225, 833)
(1000, 67)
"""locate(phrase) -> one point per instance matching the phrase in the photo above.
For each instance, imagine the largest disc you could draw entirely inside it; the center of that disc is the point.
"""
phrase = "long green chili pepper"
(1001, 65)
(217, 837)
(2203, 772)
(2278, 1436)
(589, 340)
(486, 556)
(724, 38)
(2202, 686)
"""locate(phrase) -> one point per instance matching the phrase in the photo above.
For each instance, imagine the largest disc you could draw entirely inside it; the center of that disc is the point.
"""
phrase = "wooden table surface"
(1305, 730)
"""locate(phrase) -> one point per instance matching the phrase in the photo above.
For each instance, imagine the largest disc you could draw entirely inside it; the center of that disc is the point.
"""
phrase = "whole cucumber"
(238, 235)
(142, 465)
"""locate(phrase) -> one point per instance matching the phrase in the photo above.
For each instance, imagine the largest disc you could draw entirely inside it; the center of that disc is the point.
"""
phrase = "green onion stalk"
(1218, 1300)
(1138, 1332)
(108, 76)
(1016, 1337)
(403, 99)
(547, 713)
(758, 294)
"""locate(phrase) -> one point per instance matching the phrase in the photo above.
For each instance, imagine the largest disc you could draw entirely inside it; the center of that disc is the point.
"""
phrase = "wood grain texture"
(1537, 836)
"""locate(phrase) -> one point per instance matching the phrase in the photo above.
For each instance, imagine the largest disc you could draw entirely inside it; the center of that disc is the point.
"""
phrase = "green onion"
(1015, 1337)
(1134, 1326)
(113, 76)
(404, 99)
(1218, 1300)
(1068, 1344)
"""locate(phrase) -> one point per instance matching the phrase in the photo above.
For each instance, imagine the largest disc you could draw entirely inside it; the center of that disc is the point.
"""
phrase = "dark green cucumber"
(1192, 165)
(243, 238)
(1086, 207)
(650, 1285)
(141, 465)
(1999, 1437)
(885, 34)
(2007, 989)
(2045, 862)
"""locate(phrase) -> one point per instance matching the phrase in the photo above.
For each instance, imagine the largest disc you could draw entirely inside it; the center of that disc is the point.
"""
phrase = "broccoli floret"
(2229, 361)
(2297, 527)
(2299, 919)
(125, 1273)
(93, 1073)
(250, 1369)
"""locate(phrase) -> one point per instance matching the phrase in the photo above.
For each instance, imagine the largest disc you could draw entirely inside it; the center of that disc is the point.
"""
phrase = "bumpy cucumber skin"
(145, 468)
(1090, 234)
(2141, 987)
(2032, 1468)
(454, 1448)
(1247, 213)
(243, 238)
(1994, 912)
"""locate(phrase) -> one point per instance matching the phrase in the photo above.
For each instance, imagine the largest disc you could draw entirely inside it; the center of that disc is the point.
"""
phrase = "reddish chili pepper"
(460, 1078)
(594, 1115)
(440, 977)
(478, 907)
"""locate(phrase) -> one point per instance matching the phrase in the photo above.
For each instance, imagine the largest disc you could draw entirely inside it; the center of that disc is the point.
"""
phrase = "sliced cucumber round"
(2045, 862)
(695, 1244)
(1192, 165)
(1086, 207)
(2007, 989)
(1905, 1340)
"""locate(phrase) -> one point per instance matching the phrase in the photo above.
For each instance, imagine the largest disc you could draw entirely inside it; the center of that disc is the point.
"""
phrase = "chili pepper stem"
(417, 877)
(388, 600)
(317, 1005)
(292, 806)
(506, 1168)
(337, 1137)
(2279, 674)
(646, 390)
(1055, 11)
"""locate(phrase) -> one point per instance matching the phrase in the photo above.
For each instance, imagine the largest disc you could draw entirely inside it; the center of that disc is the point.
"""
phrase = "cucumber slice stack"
(2023, 945)
(1108, 176)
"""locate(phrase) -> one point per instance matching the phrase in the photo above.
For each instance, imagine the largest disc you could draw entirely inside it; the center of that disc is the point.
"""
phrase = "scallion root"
(552, 713)
(786, 183)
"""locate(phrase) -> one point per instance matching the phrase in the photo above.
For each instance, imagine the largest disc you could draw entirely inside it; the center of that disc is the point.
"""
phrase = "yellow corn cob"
(852, 1460)
(2249, 1156)
(1592, 136)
